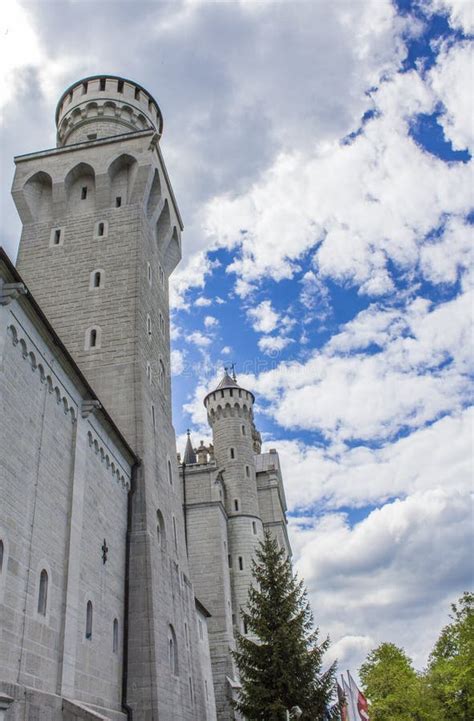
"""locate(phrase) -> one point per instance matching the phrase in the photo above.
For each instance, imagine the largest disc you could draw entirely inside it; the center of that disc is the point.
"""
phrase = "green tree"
(450, 673)
(394, 689)
(280, 659)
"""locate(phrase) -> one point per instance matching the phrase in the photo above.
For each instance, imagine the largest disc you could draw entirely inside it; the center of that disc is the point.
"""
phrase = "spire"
(189, 455)
(228, 381)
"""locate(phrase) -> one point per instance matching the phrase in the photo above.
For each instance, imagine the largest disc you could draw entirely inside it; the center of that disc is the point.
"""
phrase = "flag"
(350, 702)
(361, 704)
(342, 703)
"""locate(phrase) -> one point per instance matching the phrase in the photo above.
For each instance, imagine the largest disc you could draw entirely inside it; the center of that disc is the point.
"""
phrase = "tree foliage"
(280, 658)
(445, 690)
(450, 673)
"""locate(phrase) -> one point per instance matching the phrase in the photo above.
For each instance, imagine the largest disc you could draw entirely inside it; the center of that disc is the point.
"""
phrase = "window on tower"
(137, 94)
(57, 236)
(236, 504)
(93, 338)
(247, 471)
(43, 593)
(89, 620)
(241, 563)
(254, 528)
(243, 430)
(84, 192)
(100, 230)
(148, 326)
(115, 636)
(84, 88)
(120, 86)
(118, 201)
(102, 84)
(232, 453)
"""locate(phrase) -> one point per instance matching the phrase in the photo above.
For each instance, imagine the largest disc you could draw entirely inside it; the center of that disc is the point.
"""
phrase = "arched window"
(115, 637)
(170, 473)
(172, 651)
(175, 534)
(89, 620)
(96, 279)
(43, 593)
(160, 529)
(101, 229)
(93, 337)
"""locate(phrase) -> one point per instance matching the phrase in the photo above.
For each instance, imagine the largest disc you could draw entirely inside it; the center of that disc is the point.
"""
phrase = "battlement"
(102, 106)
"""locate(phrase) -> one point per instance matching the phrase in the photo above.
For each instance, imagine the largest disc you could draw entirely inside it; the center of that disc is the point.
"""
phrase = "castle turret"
(230, 415)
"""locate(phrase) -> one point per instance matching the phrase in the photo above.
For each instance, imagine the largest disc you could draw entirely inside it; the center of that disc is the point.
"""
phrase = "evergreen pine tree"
(279, 658)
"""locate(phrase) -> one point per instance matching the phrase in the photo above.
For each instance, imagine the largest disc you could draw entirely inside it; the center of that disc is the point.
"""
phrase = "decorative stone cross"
(105, 550)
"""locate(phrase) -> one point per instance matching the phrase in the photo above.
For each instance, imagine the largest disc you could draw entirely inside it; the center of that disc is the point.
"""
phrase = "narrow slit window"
(241, 563)
(101, 229)
(93, 338)
(84, 88)
(120, 86)
(148, 325)
(170, 473)
(137, 94)
(43, 593)
(229, 560)
(1, 555)
(247, 471)
(232, 453)
(97, 278)
(115, 638)
(84, 192)
(231, 392)
(118, 201)
(243, 430)
(102, 84)
(89, 620)
(57, 236)
(175, 534)
(254, 528)
(246, 630)
(236, 505)
(153, 415)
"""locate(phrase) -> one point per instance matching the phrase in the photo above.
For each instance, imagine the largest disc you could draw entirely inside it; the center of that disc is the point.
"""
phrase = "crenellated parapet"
(104, 106)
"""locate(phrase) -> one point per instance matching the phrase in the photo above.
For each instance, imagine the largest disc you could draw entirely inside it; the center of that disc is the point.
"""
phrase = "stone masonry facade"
(121, 573)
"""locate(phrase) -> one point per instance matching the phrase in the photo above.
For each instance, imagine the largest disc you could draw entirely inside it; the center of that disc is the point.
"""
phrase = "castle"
(122, 569)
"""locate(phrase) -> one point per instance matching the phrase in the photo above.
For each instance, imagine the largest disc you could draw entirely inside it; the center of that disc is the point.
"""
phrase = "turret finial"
(234, 377)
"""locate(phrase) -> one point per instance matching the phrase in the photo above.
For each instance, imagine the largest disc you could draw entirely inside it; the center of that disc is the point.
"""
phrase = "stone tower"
(233, 492)
(100, 238)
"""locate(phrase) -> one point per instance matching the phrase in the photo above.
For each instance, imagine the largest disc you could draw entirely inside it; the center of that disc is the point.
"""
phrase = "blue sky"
(321, 156)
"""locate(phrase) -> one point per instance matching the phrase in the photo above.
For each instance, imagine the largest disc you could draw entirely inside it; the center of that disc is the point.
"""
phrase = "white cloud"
(199, 339)
(439, 455)
(448, 80)
(272, 344)
(264, 317)
(210, 321)
(460, 12)
(363, 205)
(202, 301)
(177, 362)
(419, 373)
(391, 573)
(226, 350)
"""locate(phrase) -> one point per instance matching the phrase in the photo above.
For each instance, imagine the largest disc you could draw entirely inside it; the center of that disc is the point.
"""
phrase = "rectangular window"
(102, 84)
(57, 236)
(153, 416)
(118, 201)
(254, 528)
(84, 88)
(241, 563)
(84, 193)
(229, 560)
(120, 86)
(247, 471)
(232, 453)
(92, 136)
(236, 505)
(137, 94)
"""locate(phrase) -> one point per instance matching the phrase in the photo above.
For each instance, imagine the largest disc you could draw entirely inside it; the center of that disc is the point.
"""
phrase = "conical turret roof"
(228, 381)
(189, 455)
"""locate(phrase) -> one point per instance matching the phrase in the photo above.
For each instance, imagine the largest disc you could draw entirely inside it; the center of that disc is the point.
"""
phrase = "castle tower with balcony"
(233, 493)
(101, 235)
